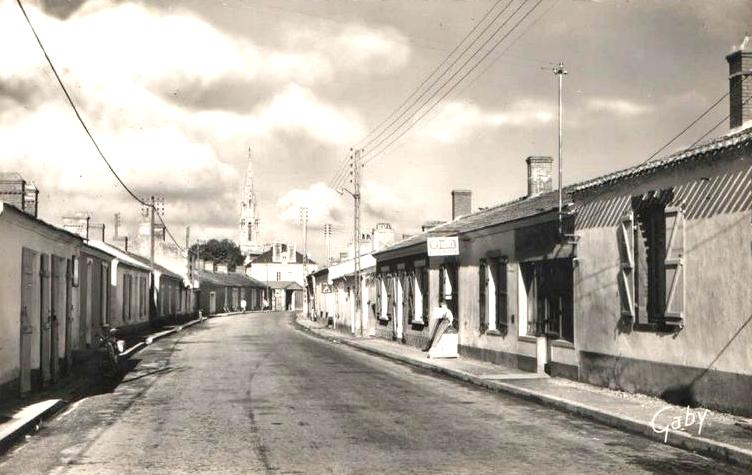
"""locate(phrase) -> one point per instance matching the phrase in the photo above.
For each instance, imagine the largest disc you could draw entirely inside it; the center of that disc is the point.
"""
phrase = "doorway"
(28, 309)
(548, 286)
(212, 303)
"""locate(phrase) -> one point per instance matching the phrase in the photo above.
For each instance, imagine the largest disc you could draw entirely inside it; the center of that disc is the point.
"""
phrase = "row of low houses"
(640, 281)
(60, 292)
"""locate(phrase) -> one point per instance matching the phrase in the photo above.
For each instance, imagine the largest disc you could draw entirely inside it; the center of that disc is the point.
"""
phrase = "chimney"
(740, 68)
(222, 268)
(209, 266)
(539, 178)
(462, 203)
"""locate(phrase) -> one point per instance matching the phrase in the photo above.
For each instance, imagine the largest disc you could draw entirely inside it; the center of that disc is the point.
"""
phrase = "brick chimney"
(221, 268)
(740, 67)
(539, 178)
(462, 203)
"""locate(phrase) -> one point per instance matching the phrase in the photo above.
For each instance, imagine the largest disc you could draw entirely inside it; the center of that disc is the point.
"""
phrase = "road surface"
(250, 394)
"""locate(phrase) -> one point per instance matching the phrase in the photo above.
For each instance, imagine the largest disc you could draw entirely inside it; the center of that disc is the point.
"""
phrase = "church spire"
(249, 221)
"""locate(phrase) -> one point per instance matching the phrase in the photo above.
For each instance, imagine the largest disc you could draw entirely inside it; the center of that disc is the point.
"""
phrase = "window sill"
(495, 333)
(528, 339)
(563, 344)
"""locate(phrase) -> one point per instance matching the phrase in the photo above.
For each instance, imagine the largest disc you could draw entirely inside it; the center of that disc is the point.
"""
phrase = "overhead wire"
(341, 172)
(85, 127)
(376, 152)
(700, 117)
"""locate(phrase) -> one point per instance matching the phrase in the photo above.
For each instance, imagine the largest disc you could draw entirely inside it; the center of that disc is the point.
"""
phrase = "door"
(28, 299)
(399, 314)
(212, 303)
(58, 313)
(549, 287)
(68, 313)
(45, 320)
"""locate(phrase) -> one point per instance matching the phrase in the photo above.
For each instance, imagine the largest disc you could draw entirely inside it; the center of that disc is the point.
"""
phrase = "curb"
(718, 450)
(29, 422)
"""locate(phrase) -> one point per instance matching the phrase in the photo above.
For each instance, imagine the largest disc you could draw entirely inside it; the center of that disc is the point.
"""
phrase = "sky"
(176, 91)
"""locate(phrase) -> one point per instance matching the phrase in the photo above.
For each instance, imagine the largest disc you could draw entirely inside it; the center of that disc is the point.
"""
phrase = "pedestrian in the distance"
(441, 319)
(266, 304)
(242, 305)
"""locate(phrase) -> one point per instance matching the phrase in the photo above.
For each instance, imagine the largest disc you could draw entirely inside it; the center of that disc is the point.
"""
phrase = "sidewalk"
(22, 416)
(723, 436)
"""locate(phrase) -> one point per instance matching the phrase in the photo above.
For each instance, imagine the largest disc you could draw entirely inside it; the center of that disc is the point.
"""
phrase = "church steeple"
(249, 221)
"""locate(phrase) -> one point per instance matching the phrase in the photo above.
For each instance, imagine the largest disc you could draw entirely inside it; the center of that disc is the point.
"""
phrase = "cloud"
(621, 107)
(457, 120)
(325, 206)
(122, 83)
(380, 201)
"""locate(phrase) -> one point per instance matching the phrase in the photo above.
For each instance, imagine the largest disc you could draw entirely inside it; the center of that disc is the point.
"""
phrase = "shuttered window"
(408, 296)
(651, 277)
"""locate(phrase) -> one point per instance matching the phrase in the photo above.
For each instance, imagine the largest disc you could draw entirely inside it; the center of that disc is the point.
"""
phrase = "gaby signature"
(688, 419)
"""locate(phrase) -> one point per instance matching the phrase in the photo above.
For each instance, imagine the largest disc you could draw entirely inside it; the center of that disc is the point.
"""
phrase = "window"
(420, 296)
(383, 298)
(448, 289)
(492, 290)
(546, 299)
(279, 276)
(125, 296)
(651, 277)
(250, 231)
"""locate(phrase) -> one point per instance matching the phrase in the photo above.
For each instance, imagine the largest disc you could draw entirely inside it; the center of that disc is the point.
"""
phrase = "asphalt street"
(250, 394)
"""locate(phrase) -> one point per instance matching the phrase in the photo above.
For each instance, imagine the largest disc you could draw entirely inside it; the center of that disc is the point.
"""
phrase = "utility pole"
(151, 233)
(304, 222)
(355, 164)
(328, 240)
(188, 253)
(560, 72)
(117, 227)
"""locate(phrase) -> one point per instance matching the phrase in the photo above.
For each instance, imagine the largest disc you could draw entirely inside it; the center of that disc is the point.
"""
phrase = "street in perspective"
(375, 237)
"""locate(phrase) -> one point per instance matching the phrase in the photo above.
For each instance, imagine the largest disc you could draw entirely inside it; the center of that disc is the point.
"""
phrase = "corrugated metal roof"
(120, 254)
(733, 139)
(525, 207)
(284, 284)
(503, 213)
(231, 279)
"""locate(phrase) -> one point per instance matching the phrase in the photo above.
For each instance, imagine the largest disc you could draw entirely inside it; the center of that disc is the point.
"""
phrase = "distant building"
(281, 263)
(20, 193)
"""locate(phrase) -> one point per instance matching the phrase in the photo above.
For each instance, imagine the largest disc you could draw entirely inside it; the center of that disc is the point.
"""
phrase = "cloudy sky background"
(176, 91)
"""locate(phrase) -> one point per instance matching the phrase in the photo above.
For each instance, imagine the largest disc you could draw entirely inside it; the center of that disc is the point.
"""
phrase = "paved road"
(249, 394)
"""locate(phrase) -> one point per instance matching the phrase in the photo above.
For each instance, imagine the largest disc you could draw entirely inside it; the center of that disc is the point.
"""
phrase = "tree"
(224, 251)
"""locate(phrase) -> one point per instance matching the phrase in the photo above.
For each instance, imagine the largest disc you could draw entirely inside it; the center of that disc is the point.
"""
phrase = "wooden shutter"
(502, 304)
(482, 293)
(626, 268)
(379, 289)
(407, 296)
(674, 267)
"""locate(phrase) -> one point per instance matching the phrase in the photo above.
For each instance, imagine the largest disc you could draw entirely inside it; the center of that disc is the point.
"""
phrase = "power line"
(83, 123)
(453, 86)
(341, 173)
(439, 66)
(718, 124)
(488, 52)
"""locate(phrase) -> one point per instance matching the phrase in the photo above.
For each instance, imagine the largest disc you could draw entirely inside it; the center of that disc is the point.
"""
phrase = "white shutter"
(626, 268)
(674, 267)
